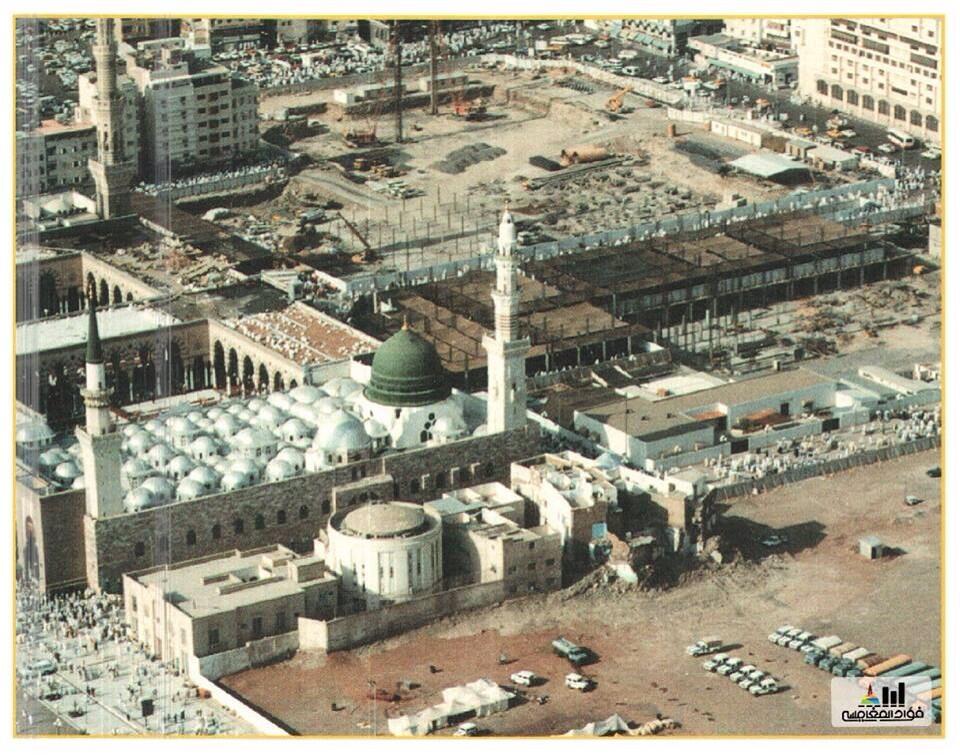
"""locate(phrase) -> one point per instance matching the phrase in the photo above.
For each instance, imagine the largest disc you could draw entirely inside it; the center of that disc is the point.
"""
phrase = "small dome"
(326, 405)
(227, 426)
(180, 466)
(315, 460)
(256, 404)
(205, 424)
(204, 447)
(293, 429)
(139, 498)
(140, 442)
(67, 471)
(235, 481)
(53, 457)
(34, 433)
(247, 467)
(375, 429)
(74, 450)
(293, 456)
(181, 426)
(271, 415)
(407, 371)
(253, 438)
(341, 386)
(160, 455)
(78, 483)
(189, 488)
(280, 401)
(154, 427)
(215, 413)
(306, 394)
(305, 413)
(206, 476)
(129, 430)
(195, 416)
(245, 416)
(222, 465)
(341, 432)
(278, 470)
(137, 467)
(381, 520)
(234, 409)
(448, 427)
(161, 488)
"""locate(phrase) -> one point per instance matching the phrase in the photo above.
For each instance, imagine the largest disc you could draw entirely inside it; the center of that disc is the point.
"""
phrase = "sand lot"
(817, 582)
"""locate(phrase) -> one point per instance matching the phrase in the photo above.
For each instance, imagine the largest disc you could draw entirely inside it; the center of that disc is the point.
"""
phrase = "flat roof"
(223, 583)
(766, 164)
(71, 330)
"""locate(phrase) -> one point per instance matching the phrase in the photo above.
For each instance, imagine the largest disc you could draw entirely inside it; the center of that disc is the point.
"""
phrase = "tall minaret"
(506, 351)
(112, 171)
(99, 441)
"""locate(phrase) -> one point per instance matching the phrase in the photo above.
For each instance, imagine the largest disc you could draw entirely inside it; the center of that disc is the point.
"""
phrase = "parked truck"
(911, 669)
(874, 659)
(573, 653)
(889, 665)
(704, 646)
(825, 643)
(856, 654)
(842, 648)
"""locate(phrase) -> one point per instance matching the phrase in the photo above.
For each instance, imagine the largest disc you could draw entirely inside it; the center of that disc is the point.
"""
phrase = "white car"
(887, 149)
(730, 666)
(469, 729)
(577, 681)
(43, 667)
(523, 678)
(742, 672)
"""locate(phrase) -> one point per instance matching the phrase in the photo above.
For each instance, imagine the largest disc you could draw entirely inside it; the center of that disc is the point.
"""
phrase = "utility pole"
(434, 51)
(398, 81)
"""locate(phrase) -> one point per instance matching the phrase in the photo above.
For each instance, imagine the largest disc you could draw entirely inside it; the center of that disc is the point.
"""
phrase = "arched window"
(883, 107)
(836, 91)
(915, 118)
(440, 480)
(258, 522)
(414, 486)
(899, 113)
(304, 512)
(191, 537)
(215, 532)
(867, 102)
(822, 86)
(139, 549)
(488, 469)
(852, 97)
(281, 516)
(325, 506)
(238, 526)
(933, 123)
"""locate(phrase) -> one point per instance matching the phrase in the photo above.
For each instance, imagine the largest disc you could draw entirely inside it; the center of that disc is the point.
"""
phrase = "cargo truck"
(573, 653)
(704, 646)
(844, 647)
(889, 665)
(911, 669)
(857, 654)
(874, 659)
(825, 643)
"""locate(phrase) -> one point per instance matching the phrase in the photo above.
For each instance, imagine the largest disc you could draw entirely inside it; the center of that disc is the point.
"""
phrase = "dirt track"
(819, 583)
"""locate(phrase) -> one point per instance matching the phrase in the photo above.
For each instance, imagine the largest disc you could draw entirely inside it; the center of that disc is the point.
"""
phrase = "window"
(215, 532)
(900, 113)
(281, 516)
(852, 97)
(238, 526)
(304, 512)
(133, 604)
(213, 637)
(440, 480)
(414, 486)
(883, 107)
(933, 124)
(867, 102)
(836, 91)
(139, 549)
(488, 469)
(325, 506)
(915, 118)
(191, 537)
(258, 522)
(550, 561)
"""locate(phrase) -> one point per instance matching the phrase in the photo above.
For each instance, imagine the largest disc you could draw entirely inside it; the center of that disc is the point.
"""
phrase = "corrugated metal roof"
(765, 164)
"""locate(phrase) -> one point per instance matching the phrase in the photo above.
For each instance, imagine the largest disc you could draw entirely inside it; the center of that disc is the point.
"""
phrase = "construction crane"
(615, 103)
(398, 81)
(368, 255)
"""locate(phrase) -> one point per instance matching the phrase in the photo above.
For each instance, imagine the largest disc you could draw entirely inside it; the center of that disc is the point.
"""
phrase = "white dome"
(306, 394)
(248, 468)
(139, 498)
(129, 430)
(278, 470)
(154, 427)
(448, 427)
(67, 471)
(206, 476)
(78, 483)
(195, 416)
(280, 401)
(137, 467)
(160, 455)
(305, 413)
(234, 481)
(341, 386)
(181, 426)
(204, 447)
(215, 412)
(34, 432)
(256, 404)
(189, 488)
(327, 405)
(161, 488)
(294, 457)
(294, 429)
(315, 460)
(244, 416)
(204, 424)
(253, 438)
(227, 425)
(234, 409)
(222, 465)
(140, 442)
(271, 415)
(53, 457)
(74, 450)
(180, 466)
(375, 429)
(341, 432)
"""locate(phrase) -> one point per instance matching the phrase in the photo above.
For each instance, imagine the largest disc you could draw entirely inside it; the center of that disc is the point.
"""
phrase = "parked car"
(468, 729)
(814, 657)
(934, 472)
(716, 662)
(704, 646)
(523, 678)
(887, 149)
(912, 500)
(577, 681)
(43, 667)
(730, 666)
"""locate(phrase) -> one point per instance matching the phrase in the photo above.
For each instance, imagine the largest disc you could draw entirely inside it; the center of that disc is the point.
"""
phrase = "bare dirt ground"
(818, 582)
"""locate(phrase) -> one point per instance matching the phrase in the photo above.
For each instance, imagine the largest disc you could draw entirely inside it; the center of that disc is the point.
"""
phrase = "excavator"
(368, 255)
(615, 103)
(468, 109)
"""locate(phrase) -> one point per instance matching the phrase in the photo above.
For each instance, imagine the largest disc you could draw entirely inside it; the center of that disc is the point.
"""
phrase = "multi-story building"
(54, 156)
(194, 112)
(668, 36)
(300, 31)
(221, 34)
(767, 32)
(770, 66)
(133, 30)
(885, 70)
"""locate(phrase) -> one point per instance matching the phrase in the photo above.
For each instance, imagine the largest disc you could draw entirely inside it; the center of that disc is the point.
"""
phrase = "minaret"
(99, 441)
(112, 171)
(506, 351)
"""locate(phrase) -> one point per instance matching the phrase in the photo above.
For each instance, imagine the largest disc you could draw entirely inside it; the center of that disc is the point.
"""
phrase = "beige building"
(773, 32)
(484, 541)
(54, 156)
(221, 602)
(194, 112)
(571, 499)
(888, 71)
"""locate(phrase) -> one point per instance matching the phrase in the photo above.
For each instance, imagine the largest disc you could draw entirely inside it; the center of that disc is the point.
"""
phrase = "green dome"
(407, 372)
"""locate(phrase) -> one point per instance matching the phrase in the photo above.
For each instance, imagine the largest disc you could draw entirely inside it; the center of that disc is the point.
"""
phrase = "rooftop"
(71, 331)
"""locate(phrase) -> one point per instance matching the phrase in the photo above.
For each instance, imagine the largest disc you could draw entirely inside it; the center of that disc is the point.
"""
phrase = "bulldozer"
(615, 103)
(468, 109)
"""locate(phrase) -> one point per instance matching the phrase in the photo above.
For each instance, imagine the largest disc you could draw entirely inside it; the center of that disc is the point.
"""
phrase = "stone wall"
(112, 544)
(362, 628)
(56, 522)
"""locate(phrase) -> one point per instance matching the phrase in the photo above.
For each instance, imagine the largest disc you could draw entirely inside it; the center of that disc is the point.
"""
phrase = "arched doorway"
(31, 554)
(104, 298)
(277, 381)
(117, 295)
(92, 288)
(219, 366)
(49, 301)
(233, 367)
(248, 374)
(263, 378)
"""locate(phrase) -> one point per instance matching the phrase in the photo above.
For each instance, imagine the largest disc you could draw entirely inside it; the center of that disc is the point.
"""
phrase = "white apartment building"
(193, 112)
(54, 156)
(885, 70)
(774, 32)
